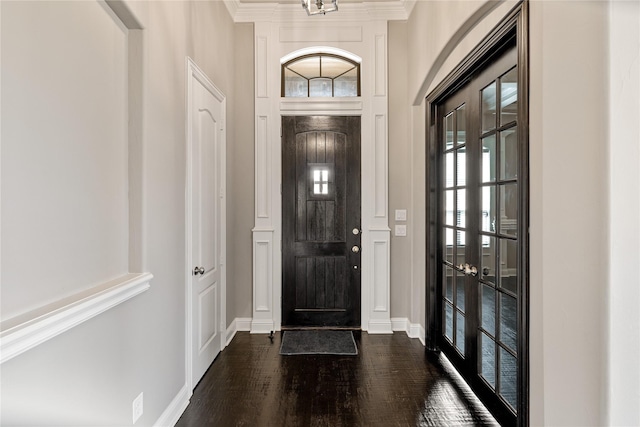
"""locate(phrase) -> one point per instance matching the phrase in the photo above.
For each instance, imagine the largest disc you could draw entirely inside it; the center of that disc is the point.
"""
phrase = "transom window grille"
(320, 75)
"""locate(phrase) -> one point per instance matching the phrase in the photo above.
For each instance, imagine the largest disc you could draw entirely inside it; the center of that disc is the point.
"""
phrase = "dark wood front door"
(321, 230)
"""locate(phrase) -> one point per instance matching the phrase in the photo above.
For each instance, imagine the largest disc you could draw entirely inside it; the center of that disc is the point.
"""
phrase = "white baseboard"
(413, 330)
(244, 324)
(261, 326)
(174, 411)
(380, 327)
(231, 332)
(238, 324)
(400, 324)
(416, 330)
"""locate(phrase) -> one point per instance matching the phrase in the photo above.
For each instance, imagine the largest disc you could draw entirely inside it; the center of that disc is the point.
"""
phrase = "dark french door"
(321, 230)
(481, 210)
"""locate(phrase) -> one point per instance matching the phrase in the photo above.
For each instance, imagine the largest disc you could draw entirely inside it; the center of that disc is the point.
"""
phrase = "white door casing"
(275, 42)
(206, 240)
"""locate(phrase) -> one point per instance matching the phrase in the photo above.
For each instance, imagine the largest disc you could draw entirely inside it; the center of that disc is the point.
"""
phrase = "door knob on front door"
(198, 270)
(355, 249)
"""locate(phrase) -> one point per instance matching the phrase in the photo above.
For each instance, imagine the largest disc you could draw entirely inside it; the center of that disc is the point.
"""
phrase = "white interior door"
(207, 231)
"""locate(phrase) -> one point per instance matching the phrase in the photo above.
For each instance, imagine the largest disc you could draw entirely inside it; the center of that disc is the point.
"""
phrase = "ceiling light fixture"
(320, 6)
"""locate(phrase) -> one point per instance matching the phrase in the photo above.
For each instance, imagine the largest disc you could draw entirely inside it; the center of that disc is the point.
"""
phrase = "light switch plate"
(401, 214)
(401, 230)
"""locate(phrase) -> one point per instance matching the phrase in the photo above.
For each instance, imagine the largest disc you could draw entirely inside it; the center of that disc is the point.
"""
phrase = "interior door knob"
(355, 249)
(198, 270)
(469, 270)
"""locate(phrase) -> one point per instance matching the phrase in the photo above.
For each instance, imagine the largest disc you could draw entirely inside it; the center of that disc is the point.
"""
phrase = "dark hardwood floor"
(391, 382)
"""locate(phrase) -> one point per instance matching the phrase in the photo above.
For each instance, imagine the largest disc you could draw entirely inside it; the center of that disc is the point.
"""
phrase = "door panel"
(205, 182)
(321, 208)
(479, 227)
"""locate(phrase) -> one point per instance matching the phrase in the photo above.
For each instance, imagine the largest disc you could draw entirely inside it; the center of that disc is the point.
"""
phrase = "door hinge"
(280, 131)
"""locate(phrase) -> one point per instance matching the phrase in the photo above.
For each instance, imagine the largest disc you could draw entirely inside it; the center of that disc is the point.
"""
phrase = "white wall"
(569, 186)
(91, 374)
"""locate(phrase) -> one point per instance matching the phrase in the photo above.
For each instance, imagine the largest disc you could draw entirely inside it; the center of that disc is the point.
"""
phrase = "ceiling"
(298, 1)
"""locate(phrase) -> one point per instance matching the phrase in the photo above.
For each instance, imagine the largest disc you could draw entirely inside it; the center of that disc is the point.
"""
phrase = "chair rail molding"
(31, 329)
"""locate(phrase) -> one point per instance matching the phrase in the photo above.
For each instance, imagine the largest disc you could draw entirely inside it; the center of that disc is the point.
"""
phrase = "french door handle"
(469, 270)
(198, 270)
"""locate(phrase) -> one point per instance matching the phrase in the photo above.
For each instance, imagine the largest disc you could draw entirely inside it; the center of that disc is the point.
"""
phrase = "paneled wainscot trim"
(29, 330)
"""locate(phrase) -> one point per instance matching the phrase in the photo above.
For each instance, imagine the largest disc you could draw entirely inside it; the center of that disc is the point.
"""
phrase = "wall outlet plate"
(401, 214)
(401, 230)
(138, 408)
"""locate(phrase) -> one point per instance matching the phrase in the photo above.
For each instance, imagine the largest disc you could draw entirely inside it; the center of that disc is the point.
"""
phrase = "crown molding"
(394, 10)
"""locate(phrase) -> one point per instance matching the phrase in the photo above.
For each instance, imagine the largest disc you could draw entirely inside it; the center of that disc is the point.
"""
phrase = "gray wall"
(242, 174)
(400, 167)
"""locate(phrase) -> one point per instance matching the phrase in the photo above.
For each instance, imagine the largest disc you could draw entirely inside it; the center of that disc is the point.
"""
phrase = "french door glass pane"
(447, 247)
(508, 377)
(489, 107)
(488, 251)
(509, 265)
(462, 128)
(448, 203)
(460, 332)
(488, 309)
(448, 131)
(460, 249)
(460, 242)
(509, 153)
(489, 159)
(449, 321)
(488, 359)
(460, 279)
(448, 283)
(462, 167)
(509, 97)
(488, 212)
(508, 319)
(461, 214)
(509, 209)
(448, 170)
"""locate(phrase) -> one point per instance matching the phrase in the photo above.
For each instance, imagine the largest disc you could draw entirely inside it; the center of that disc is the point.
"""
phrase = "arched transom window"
(320, 75)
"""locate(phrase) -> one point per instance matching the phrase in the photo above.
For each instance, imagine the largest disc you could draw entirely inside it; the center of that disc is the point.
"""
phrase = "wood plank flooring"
(391, 382)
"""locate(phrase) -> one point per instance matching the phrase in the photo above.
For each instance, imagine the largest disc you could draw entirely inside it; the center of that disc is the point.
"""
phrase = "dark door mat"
(318, 342)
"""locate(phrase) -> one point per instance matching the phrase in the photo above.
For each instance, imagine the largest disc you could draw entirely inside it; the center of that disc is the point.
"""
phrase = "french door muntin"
(480, 253)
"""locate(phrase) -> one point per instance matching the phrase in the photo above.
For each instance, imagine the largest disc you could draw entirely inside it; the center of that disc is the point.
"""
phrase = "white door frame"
(194, 72)
(274, 43)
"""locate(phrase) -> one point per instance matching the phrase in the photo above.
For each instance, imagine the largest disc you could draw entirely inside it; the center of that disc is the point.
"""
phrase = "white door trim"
(274, 41)
(194, 72)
